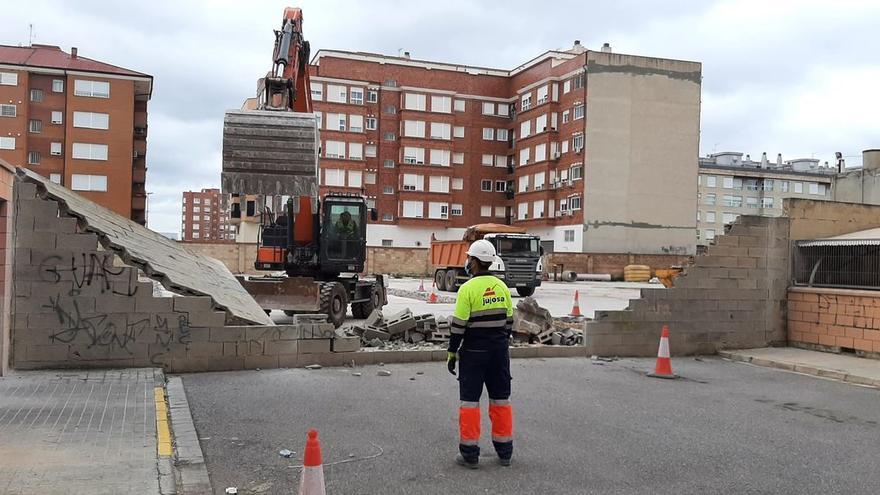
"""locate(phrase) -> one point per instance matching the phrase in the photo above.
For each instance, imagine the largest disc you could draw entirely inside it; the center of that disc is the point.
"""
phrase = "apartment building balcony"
(139, 174)
(138, 201)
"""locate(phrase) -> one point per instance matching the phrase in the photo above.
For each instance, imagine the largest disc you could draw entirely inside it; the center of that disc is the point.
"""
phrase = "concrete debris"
(357, 373)
(231, 490)
(285, 453)
(314, 367)
(402, 328)
(300, 319)
(384, 373)
(534, 325)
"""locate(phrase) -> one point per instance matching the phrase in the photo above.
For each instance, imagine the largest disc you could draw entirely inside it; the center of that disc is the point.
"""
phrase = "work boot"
(461, 461)
(504, 462)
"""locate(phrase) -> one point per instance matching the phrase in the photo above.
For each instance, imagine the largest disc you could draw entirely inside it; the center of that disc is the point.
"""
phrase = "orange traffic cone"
(432, 298)
(312, 480)
(576, 308)
(664, 363)
(421, 285)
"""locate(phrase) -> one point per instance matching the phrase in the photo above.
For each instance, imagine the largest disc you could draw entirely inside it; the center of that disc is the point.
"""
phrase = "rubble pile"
(402, 328)
(534, 325)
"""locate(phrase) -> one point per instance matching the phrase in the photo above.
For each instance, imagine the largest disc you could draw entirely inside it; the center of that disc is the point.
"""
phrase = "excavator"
(270, 149)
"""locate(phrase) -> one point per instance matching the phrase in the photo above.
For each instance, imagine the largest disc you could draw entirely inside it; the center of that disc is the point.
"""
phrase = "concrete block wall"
(76, 305)
(7, 178)
(834, 320)
(398, 261)
(733, 297)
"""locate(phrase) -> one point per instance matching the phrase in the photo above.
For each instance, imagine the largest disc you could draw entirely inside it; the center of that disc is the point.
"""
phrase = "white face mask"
(467, 266)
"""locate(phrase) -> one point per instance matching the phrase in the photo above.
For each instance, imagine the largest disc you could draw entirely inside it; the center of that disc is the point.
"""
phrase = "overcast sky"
(799, 77)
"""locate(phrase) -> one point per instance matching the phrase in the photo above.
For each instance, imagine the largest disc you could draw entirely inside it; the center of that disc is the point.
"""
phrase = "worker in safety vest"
(481, 326)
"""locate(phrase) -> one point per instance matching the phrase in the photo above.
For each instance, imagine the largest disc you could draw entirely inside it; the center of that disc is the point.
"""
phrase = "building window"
(355, 178)
(389, 136)
(387, 190)
(578, 81)
(92, 89)
(523, 183)
(488, 108)
(87, 151)
(197, 201)
(317, 90)
(729, 218)
(710, 234)
(577, 142)
(501, 161)
(356, 123)
(336, 121)
(7, 143)
(413, 101)
(710, 181)
(414, 156)
(766, 202)
(501, 134)
(525, 128)
(337, 94)
(56, 178)
(371, 123)
(710, 199)
(440, 157)
(488, 134)
(357, 96)
(485, 211)
(55, 149)
(57, 85)
(524, 156)
(440, 130)
(388, 164)
(7, 111)
(370, 151)
(334, 149)
(542, 94)
(733, 201)
(574, 202)
(439, 184)
(500, 185)
(413, 182)
(458, 158)
(710, 217)
(458, 105)
(751, 202)
(441, 104)
(370, 178)
(816, 188)
(88, 182)
(456, 210)
(569, 234)
(458, 131)
(387, 217)
(372, 96)
(334, 177)
(197, 209)
(35, 126)
(355, 151)
(577, 172)
(8, 79)
(540, 152)
(91, 120)
(526, 102)
(390, 109)
(57, 117)
(798, 187)
(457, 183)
(387, 242)
(413, 209)
(578, 112)
(438, 210)
(37, 95)
(565, 117)
(33, 158)
(767, 185)
(566, 86)
(486, 185)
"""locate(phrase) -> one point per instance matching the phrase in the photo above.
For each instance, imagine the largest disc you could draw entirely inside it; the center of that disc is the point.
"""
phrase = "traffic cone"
(421, 285)
(663, 369)
(432, 298)
(312, 480)
(576, 308)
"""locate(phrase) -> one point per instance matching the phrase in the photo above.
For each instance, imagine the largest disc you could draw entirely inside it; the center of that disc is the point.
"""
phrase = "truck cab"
(518, 261)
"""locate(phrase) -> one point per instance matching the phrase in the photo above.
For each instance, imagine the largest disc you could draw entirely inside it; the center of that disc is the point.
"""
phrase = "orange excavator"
(270, 149)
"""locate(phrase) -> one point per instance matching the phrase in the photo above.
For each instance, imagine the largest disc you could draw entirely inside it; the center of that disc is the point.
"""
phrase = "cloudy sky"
(793, 77)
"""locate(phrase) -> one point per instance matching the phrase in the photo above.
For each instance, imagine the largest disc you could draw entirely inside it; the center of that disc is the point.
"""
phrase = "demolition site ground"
(580, 427)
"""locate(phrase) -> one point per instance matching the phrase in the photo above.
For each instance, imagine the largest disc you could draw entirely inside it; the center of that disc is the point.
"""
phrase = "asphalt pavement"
(579, 428)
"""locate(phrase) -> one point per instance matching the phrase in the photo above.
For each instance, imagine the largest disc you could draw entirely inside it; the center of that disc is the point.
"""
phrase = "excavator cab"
(343, 234)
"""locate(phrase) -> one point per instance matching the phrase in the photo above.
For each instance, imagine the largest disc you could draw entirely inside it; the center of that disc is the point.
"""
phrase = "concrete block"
(146, 303)
(24, 191)
(259, 333)
(375, 333)
(287, 332)
(399, 323)
(278, 347)
(50, 352)
(347, 344)
(112, 303)
(207, 319)
(314, 346)
(85, 242)
(300, 319)
(374, 319)
(192, 303)
(204, 349)
(291, 360)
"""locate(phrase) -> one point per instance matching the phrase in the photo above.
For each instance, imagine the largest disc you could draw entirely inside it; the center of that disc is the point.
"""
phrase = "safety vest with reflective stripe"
(483, 313)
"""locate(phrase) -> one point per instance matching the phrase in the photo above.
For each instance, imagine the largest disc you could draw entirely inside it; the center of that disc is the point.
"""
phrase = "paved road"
(580, 428)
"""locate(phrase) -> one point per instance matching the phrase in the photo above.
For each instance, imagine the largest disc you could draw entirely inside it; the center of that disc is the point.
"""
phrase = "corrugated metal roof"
(869, 237)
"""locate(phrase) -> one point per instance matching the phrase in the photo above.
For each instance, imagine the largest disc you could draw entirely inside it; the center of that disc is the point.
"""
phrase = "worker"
(481, 326)
(345, 226)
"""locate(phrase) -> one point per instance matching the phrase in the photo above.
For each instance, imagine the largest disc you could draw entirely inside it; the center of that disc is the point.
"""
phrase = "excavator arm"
(286, 86)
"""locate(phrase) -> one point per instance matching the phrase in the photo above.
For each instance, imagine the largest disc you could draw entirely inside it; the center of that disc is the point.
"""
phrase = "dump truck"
(517, 260)
(316, 245)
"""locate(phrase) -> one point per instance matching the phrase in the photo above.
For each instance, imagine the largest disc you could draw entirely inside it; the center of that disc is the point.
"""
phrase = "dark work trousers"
(490, 368)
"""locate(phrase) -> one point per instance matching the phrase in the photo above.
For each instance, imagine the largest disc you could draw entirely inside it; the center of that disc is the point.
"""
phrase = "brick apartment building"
(203, 218)
(80, 122)
(594, 151)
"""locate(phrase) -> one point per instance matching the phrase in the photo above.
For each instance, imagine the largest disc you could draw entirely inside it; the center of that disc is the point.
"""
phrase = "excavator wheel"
(334, 302)
(363, 310)
(525, 291)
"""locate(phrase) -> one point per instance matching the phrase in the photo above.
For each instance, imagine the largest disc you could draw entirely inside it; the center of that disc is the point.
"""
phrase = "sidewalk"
(860, 371)
(79, 432)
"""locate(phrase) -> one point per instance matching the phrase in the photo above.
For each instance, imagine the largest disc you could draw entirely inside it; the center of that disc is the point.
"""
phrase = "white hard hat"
(482, 250)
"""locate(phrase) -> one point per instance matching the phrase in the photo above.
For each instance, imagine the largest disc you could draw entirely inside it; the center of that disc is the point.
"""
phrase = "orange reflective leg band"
(501, 415)
(469, 423)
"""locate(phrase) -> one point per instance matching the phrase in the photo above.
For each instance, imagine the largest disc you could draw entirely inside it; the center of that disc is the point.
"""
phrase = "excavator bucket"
(270, 153)
(297, 294)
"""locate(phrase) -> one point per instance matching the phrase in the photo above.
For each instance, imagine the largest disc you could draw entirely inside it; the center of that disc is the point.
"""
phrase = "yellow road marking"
(163, 432)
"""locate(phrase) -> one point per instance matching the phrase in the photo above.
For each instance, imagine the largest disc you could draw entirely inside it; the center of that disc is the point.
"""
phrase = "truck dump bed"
(270, 152)
(448, 253)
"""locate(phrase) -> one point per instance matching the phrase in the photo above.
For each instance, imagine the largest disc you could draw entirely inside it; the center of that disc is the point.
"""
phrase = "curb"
(828, 373)
(191, 470)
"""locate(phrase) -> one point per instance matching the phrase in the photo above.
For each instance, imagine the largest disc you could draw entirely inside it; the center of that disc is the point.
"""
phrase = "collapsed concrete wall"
(77, 303)
(733, 297)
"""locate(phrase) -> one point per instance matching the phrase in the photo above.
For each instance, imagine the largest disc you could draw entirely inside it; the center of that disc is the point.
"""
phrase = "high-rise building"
(594, 151)
(80, 122)
(730, 186)
(203, 218)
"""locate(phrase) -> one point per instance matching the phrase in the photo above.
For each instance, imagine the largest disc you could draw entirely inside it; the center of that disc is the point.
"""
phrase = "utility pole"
(30, 34)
